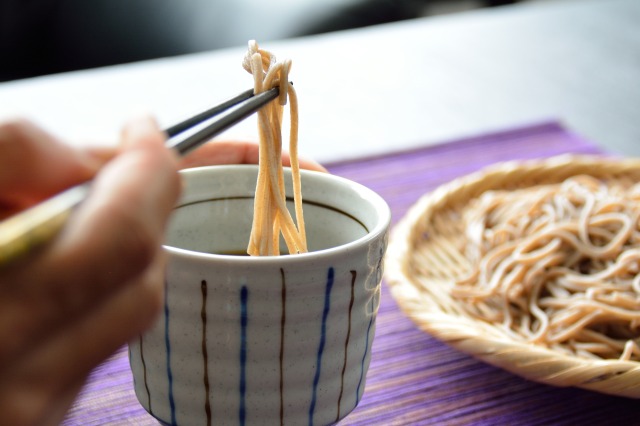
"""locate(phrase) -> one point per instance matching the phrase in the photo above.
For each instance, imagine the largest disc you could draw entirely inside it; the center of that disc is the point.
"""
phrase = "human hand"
(68, 306)
(236, 152)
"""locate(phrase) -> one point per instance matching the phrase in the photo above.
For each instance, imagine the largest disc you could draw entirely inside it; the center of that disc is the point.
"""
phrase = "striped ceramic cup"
(263, 340)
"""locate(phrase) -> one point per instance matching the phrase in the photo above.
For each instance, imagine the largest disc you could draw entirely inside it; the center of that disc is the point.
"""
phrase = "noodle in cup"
(263, 339)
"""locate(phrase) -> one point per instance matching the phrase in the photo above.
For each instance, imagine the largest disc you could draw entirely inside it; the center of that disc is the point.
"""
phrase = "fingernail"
(138, 128)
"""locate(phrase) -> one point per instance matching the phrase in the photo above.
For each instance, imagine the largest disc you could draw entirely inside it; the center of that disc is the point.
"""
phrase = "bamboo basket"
(425, 256)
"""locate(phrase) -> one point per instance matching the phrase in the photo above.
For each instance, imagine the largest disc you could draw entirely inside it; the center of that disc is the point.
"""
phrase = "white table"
(396, 86)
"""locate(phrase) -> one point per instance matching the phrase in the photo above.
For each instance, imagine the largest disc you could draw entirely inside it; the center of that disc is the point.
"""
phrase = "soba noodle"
(558, 265)
(271, 217)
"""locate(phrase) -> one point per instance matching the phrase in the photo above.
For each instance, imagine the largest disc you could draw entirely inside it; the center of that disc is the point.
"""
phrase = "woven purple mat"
(414, 379)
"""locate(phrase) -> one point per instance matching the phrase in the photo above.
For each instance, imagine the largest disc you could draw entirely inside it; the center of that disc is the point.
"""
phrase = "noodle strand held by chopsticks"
(558, 265)
(271, 218)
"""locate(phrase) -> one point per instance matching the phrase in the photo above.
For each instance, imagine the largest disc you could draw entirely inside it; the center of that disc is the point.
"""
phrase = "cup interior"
(217, 214)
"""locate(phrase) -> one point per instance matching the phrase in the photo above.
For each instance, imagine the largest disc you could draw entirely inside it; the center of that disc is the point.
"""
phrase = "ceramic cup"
(263, 340)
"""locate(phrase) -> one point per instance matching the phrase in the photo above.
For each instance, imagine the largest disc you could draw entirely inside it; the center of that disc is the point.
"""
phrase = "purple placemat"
(414, 379)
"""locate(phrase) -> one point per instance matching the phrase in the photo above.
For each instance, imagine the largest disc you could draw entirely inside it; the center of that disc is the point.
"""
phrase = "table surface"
(402, 108)
(395, 86)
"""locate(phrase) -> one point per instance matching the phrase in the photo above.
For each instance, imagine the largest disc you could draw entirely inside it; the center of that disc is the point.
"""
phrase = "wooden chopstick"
(31, 228)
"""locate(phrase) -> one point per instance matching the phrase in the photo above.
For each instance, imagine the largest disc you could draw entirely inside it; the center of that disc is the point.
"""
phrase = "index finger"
(35, 165)
(236, 152)
(36, 162)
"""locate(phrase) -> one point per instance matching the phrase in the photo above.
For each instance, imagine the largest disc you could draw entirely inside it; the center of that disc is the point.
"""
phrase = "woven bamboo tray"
(425, 256)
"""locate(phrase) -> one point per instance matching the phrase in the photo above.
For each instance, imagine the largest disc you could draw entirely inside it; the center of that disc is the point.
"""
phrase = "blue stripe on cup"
(323, 335)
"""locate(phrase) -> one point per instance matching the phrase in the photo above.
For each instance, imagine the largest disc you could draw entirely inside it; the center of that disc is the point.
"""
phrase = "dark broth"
(233, 253)
(240, 253)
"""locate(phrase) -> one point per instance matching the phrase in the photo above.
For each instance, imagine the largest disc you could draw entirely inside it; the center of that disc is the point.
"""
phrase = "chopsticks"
(27, 230)
(243, 106)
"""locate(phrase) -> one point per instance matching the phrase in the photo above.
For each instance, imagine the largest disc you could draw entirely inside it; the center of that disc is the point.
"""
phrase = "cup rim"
(380, 205)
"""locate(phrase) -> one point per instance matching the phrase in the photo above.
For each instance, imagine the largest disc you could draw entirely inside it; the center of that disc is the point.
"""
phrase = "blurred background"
(39, 37)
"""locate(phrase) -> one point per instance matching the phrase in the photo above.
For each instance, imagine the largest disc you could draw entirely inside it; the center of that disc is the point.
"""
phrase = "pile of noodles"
(557, 265)
(271, 218)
